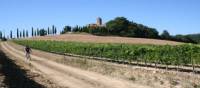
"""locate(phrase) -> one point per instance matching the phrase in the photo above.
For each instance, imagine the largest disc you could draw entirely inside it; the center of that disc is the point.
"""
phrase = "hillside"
(105, 39)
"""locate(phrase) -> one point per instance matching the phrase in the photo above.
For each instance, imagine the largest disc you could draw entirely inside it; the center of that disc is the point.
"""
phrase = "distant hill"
(121, 26)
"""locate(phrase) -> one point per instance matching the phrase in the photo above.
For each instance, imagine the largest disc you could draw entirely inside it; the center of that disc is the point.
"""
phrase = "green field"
(187, 54)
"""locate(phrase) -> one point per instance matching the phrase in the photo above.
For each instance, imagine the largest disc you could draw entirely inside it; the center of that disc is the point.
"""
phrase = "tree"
(48, 30)
(165, 35)
(184, 38)
(11, 34)
(38, 32)
(75, 29)
(152, 33)
(26, 33)
(20, 34)
(23, 33)
(32, 31)
(195, 37)
(1, 35)
(17, 33)
(53, 29)
(35, 33)
(66, 29)
(122, 27)
(43, 32)
(117, 25)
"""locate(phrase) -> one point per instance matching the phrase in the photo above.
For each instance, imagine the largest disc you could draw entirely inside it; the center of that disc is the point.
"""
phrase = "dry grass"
(105, 39)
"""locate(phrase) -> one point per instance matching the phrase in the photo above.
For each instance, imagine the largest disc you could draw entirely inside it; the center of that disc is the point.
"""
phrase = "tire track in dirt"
(72, 77)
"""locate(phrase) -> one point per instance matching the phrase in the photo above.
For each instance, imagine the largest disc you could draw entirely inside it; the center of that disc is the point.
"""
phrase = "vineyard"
(177, 55)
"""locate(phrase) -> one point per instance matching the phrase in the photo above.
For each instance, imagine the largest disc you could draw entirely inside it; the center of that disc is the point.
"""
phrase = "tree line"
(34, 32)
(2, 37)
(120, 26)
(195, 37)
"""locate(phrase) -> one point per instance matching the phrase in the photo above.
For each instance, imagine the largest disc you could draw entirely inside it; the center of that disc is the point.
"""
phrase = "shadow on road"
(14, 76)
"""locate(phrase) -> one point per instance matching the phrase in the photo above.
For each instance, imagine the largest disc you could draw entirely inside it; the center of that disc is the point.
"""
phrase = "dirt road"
(71, 77)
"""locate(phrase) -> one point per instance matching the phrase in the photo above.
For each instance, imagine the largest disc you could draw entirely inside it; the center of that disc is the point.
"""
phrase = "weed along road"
(67, 76)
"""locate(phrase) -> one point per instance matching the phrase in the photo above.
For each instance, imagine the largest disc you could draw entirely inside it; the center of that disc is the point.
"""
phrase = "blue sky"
(176, 16)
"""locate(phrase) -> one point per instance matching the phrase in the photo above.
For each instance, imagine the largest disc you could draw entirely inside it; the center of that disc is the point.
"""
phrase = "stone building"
(97, 24)
(99, 21)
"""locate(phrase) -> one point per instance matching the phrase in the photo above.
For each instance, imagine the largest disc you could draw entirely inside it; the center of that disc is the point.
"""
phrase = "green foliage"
(123, 27)
(26, 33)
(11, 34)
(18, 33)
(66, 29)
(38, 32)
(76, 29)
(165, 54)
(165, 35)
(48, 30)
(1, 35)
(23, 33)
(54, 30)
(42, 32)
(32, 31)
(184, 38)
(120, 26)
(195, 37)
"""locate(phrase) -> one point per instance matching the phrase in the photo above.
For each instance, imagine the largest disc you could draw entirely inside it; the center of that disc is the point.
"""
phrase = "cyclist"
(28, 52)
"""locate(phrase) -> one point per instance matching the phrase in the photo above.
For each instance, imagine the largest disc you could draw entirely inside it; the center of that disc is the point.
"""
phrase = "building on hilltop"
(98, 23)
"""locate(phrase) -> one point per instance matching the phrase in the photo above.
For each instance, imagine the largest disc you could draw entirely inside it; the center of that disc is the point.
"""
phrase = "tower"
(99, 21)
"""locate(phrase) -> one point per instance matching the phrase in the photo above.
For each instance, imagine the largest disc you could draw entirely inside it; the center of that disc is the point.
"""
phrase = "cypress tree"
(48, 31)
(53, 29)
(11, 34)
(35, 33)
(38, 32)
(17, 33)
(26, 33)
(20, 34)
(23, 33)
(1, 35)
(32, 31)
